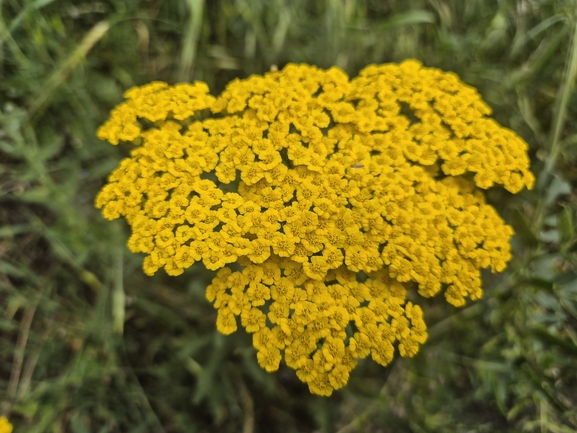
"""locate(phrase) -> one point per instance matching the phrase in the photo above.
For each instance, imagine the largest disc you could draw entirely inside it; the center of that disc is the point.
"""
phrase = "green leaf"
(52, 144)
(16, 21)
(552, 340)
(523, 229)
(536, 31)
(530, 119)
(557, 188)
(403, 19)
(569, 288)
(564, 277)
(207, 380)
(568, 142)
(547, 301)
(8, 148)
(413, 17)
(40, 194)
(10, 231)
(537, 282)
(546, 266)
(78, 424)
(570, 307)
(565, 225)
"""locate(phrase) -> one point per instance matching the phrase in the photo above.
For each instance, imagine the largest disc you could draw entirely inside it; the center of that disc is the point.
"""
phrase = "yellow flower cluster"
(321, 201)
(5, 426)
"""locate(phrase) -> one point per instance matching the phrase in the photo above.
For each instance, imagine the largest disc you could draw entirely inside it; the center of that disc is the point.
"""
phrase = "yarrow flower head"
(320, 201)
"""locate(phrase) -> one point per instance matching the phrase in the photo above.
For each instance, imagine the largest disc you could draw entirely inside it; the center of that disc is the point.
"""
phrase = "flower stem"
(553, 148)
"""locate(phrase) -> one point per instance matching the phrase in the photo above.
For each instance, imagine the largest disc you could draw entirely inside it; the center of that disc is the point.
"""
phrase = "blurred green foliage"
(89, 344)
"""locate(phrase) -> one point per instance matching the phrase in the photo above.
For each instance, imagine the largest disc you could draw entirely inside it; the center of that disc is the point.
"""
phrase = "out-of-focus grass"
(89, 344)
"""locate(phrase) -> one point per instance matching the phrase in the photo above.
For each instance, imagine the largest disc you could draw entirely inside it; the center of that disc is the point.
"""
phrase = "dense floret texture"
(320, 201)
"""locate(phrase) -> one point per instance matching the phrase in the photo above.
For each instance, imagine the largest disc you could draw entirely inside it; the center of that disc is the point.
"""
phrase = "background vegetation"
(90, 344)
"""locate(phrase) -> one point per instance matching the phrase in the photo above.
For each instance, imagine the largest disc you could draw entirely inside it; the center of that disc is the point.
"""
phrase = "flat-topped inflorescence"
(320, 201)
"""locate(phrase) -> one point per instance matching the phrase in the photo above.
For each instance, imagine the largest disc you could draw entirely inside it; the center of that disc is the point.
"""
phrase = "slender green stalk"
(553, 148)
(60, 75)
(190, 42)
(564, 93)
(118, 295)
